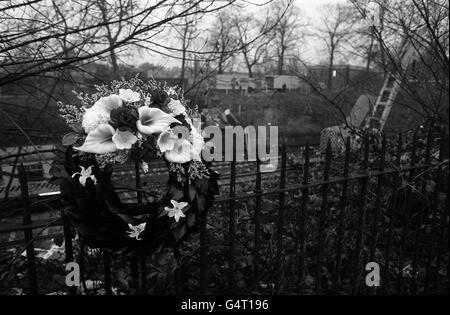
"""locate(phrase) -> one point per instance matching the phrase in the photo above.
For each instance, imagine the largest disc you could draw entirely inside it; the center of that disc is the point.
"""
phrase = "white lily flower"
(129, 96)
(84, 175)
(177, 211)
(198, 142)
(136, 230)
(153, 120)
(99, 141)
(104, 139)
(166, 140)
(179, 150)
(99, 112)
(176, 107)
(182, 152)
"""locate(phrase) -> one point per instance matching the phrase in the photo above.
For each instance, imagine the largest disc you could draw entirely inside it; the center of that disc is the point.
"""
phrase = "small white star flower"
(144, 167)
(177, 211)
(136, 230)
(85, 174)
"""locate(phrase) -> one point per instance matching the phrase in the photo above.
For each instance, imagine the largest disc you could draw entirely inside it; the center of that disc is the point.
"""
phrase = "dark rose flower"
(124, 118)
(159, 97)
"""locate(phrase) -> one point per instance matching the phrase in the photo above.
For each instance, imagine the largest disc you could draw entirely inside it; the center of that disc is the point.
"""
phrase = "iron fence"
(389, 212)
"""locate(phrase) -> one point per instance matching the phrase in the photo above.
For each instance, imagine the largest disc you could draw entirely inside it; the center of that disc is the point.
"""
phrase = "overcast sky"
(312, 50)
(311, 8)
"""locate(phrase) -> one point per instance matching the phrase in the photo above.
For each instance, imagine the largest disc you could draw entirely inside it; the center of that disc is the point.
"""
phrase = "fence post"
(407, 213)
(281, 212)
(258, 201)
(28, 232)
(323, 215)
(434, 212)
(377, 207)
(232, 222)
(444, 231)
(361, 217)
(203, 253)
(343, 203)
(422, 210)
(392, 211)
(378, 196)
(302, 216)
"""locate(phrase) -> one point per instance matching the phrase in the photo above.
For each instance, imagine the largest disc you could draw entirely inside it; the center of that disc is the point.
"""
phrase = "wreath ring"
(133, 121)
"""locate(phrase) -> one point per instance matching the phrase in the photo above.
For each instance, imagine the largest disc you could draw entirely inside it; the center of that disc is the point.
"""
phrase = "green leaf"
(191, 219)
(179, 232)
(192, 192)
(70, 138)
(201, 203)
(202, 185)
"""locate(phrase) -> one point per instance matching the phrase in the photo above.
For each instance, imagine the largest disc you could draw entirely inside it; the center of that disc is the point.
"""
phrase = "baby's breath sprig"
(197, 170)
(71, 113)
(118, 157)
(179, 170)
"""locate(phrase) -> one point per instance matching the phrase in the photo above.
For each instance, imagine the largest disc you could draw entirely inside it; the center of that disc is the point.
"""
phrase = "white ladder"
(389, 91)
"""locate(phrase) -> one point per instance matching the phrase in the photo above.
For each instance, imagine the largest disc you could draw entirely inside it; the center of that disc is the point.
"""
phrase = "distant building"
(288, 83)
(242, 83)
(235, 82)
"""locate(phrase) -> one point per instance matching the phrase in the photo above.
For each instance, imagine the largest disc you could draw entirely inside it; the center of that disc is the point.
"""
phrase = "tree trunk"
(281, 62)
(370, 50)
(330, 71)
(114, 64)
(249, 66)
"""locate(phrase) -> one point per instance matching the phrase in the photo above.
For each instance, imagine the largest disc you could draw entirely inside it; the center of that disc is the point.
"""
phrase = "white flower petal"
(153, 120)
(166, 141)
(182, 152)
(82, 180)
(99, 140)
(124, 139)
(182, 205)
(142, 226)
(99, 112)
